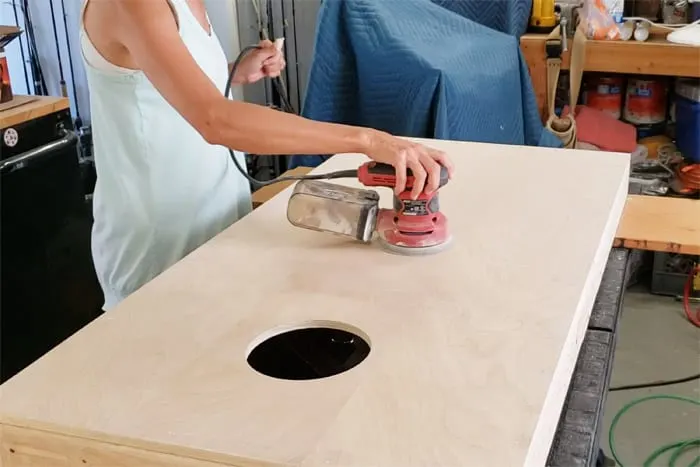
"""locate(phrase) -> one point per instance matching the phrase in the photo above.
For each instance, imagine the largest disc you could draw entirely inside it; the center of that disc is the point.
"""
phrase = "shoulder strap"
(564, 128)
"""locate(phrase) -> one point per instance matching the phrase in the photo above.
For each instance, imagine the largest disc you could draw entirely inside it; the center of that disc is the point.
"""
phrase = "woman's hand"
(425, 163)
(265, 62)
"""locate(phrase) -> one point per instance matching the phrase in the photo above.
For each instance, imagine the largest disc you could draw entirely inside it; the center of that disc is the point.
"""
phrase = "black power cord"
(35, 63)
(78, 119)
(656, 384)
(62, 79)
(289, 108)
(21, 47)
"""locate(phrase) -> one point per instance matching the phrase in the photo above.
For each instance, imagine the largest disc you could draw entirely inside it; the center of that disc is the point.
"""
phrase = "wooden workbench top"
(472, 349)
(660, 224)
(655, 56)
(30, 107)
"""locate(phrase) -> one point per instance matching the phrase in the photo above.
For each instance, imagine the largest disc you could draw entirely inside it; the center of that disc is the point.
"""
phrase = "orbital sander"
(411, 227)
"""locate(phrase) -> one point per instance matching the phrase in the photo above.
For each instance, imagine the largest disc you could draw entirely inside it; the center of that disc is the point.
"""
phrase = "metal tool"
(568, 10)
(412, 227)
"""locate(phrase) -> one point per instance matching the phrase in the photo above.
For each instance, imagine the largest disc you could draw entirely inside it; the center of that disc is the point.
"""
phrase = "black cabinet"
(49, 287)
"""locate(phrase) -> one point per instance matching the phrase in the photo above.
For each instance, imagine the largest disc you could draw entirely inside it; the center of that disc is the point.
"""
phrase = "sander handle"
(379, 174)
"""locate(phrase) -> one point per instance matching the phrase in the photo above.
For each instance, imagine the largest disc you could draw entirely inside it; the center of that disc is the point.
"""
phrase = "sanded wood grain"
(23, 447)
(472, 350)
(660, 224)
(34, 107)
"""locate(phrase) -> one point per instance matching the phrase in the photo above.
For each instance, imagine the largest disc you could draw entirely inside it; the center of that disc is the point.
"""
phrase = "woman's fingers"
(419, 175)
(273, 67)
(442, 159)
(400, 167)
(433, 171)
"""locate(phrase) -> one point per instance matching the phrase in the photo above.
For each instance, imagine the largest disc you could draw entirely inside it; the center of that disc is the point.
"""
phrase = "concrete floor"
(656, 342)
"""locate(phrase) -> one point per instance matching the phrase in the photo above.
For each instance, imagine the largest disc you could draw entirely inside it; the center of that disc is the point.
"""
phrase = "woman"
(161, 126)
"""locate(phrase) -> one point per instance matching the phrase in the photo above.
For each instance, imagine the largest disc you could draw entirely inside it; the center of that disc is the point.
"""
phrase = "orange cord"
(686, 298)
(689, 176)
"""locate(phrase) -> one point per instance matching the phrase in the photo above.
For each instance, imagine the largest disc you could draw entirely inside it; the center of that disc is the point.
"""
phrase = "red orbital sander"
(412, 227)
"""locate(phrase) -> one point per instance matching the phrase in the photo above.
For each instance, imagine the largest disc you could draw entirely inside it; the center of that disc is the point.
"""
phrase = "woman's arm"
(148, 30)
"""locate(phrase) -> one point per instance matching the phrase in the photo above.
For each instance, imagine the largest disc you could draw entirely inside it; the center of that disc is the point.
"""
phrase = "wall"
(46, 45)
(14, 58)
(223, 15)
(295, 20)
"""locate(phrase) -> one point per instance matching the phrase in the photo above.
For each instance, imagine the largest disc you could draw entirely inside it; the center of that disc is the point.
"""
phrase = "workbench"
(577, 439)
(656, 56)
(479, 361)
(649, 223)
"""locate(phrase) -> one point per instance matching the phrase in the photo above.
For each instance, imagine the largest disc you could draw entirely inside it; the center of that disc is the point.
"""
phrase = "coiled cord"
(689, 176)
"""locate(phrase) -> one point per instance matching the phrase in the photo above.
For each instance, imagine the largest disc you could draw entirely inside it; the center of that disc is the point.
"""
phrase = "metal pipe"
(62, 82)
(78, 120)
(22, 160)
(21, 47)
(37, 72)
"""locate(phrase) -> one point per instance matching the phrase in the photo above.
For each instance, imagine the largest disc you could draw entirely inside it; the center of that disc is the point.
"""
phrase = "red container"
(5, 86)
(645, 102)
(604, 93)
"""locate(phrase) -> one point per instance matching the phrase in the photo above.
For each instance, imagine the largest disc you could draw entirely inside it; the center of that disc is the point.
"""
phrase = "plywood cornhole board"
(472, 350)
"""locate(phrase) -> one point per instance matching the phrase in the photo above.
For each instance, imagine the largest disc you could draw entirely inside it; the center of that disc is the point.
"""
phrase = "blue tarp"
(508, 16)
(415, 68)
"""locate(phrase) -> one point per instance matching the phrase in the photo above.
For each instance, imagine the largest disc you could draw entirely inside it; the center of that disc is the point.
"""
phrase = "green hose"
(678, 448)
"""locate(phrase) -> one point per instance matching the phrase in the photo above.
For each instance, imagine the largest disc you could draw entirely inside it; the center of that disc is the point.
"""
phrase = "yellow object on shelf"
(653, 143)
(543, 18)
(696, 279)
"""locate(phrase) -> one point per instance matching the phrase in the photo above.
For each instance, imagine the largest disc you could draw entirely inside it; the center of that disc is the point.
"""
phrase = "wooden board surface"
(660, 224)
(472, 349)
(37, 106)
(648, 222)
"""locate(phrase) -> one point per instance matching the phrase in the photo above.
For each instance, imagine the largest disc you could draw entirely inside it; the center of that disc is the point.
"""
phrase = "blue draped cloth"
(423, 68)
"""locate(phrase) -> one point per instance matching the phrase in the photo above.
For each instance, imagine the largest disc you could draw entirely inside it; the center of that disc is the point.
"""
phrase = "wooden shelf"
(653, 223)
(24, 108)
(656, 56)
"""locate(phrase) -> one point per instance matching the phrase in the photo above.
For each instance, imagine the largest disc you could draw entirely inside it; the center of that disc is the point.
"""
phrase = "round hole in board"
(308, 351)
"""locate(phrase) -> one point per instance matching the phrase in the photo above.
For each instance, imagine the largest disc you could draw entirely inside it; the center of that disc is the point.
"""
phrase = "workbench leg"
(603, 460)
(535, 55)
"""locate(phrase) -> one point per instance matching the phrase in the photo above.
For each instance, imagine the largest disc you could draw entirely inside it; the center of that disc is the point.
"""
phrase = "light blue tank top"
(162, 190)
